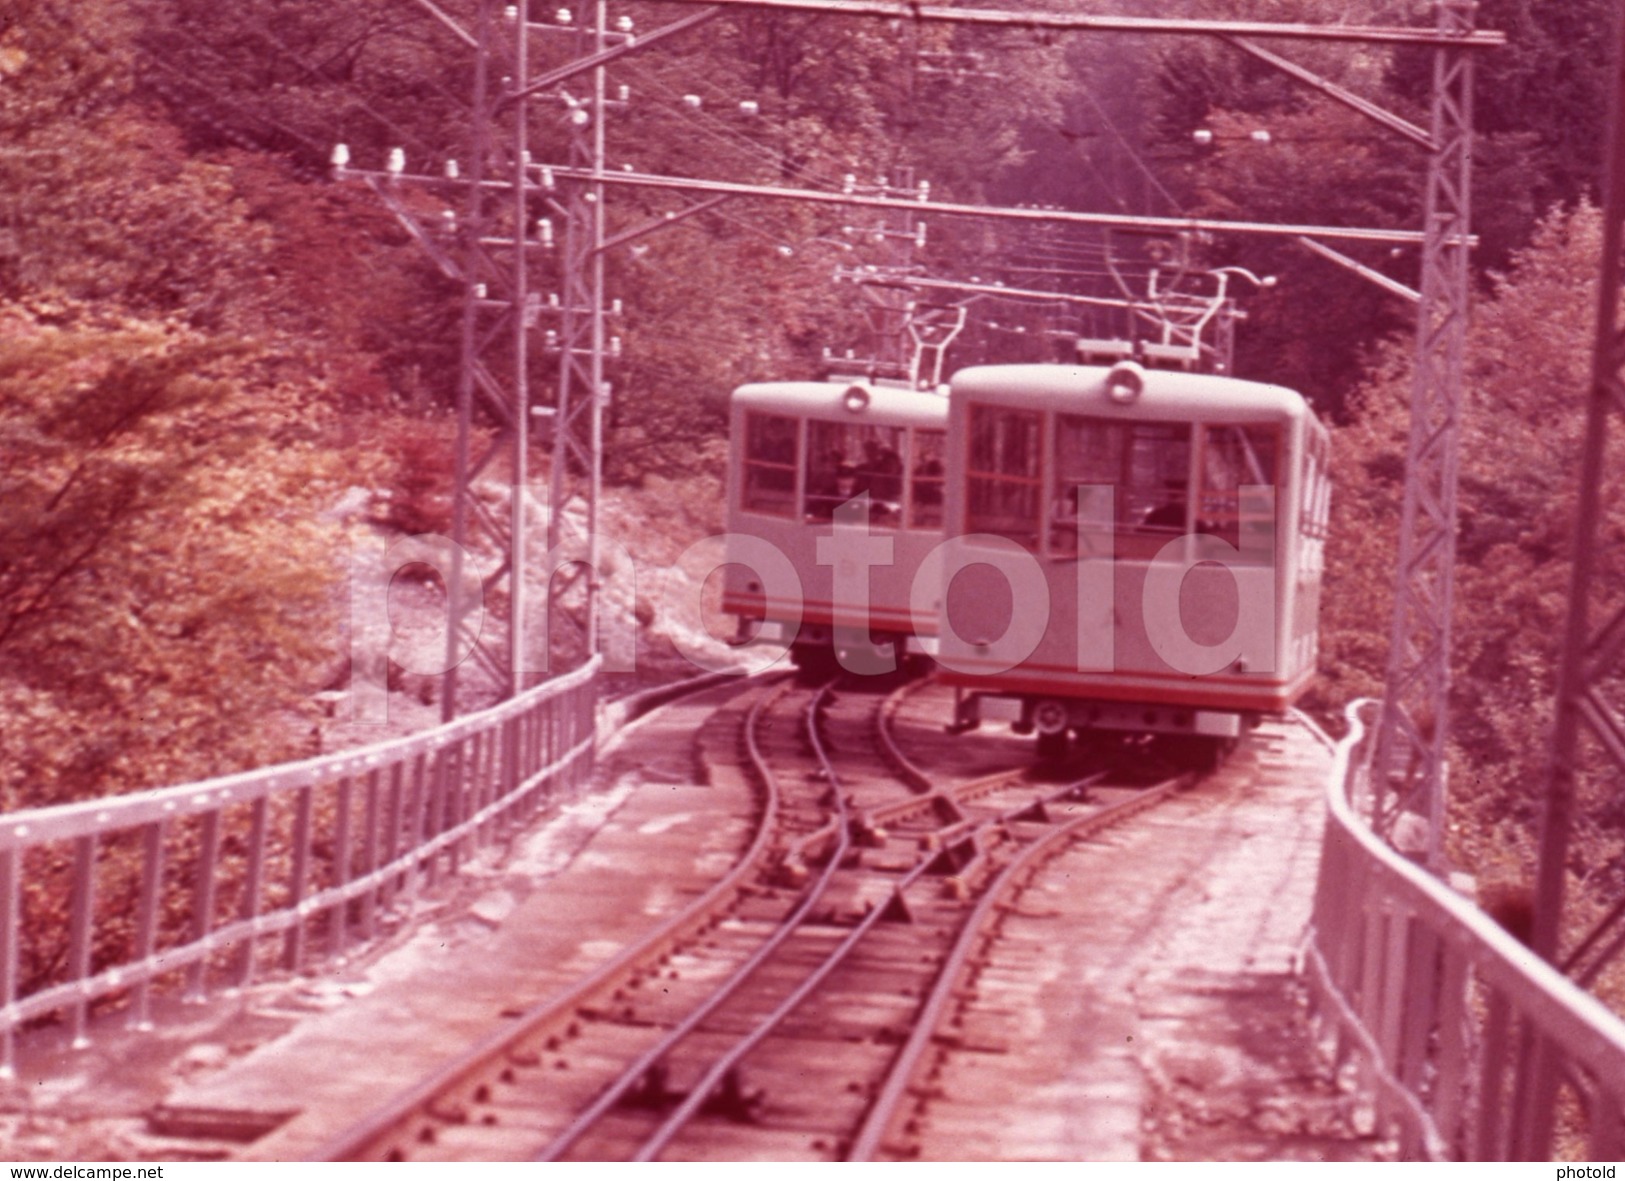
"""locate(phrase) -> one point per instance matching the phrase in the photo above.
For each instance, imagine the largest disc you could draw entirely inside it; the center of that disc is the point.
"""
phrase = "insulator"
(340, 158)
(615, 347)
(606, 392)
(615, 307)
(544, 230)
(564, 16)
(452, 171)
(693, 101)
(1259, 137)
(580, 117)
(624, 93)
(524, 157)
(547, 177)
(1203, 137)
(623, 24)
(511, 12)
(919, 236)
(750, 107)
(785, 251)
(448, 220)
(849, 184)
(479, 291)
(550, 340)
(553, 299)
(397, 161)
(925, 190)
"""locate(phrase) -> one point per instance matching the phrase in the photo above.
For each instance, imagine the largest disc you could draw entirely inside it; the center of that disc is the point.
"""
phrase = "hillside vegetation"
(204, 343)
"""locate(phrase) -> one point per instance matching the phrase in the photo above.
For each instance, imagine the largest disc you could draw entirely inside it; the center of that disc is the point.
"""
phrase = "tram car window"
(1147, 467)
(770, 464)
(1004, 485)
(845, 460)
(1235, 459)
(926, 474)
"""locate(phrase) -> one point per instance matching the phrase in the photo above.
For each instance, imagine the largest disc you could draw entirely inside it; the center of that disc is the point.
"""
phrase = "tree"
(166, 575)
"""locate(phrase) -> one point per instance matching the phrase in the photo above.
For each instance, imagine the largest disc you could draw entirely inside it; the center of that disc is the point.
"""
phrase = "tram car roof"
(1164, 393)
(849, 400)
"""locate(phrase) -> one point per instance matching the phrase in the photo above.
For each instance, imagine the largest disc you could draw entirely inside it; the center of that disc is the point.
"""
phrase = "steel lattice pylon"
(1410, 767)
(505, 224)
(493, 302)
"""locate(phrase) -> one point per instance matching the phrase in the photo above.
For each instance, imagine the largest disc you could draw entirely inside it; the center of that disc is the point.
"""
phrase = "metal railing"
(212, 882)
(1473, 1047)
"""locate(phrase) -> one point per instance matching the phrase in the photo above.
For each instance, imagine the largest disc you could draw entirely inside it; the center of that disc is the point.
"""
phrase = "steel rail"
(881, 1113)
(636, 1071)
(702, 1091)
(461, 1070)
(906, 769)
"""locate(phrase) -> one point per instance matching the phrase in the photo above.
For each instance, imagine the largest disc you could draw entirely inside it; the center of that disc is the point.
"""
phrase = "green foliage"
(1538, 113)
(1527, 379)
(165, 577)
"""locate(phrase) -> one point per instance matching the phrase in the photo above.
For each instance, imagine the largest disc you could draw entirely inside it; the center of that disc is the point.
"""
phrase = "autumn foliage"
(1528, 376)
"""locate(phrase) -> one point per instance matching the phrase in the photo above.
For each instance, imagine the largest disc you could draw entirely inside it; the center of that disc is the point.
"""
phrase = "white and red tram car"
(806, 458)
(1129, 550)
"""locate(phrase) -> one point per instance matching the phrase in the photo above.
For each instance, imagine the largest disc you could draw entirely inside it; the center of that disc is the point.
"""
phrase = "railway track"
(786, 1012)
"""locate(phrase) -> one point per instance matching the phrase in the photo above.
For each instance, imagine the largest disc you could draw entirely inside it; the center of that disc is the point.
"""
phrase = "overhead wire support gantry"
(1410, 777)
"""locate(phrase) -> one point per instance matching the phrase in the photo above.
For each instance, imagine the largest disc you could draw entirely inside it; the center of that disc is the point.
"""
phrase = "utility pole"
(1590, 713)
(1410, 768)
(511, 207)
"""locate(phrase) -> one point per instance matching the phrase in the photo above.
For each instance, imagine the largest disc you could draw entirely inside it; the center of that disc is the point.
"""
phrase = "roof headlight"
(1125, 382)
(856, 399)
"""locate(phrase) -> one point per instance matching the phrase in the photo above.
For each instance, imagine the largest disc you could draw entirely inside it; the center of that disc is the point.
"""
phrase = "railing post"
(148, 908)
(82, 929)
(369, 854)
(339, 912)
(10, 938)
(417, 820)
(298, 878)
(435, 821)
(253, 885)
(456, 801)
(1451, 1080)
(1489, 1140)
(203, 896)
(392, 840)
